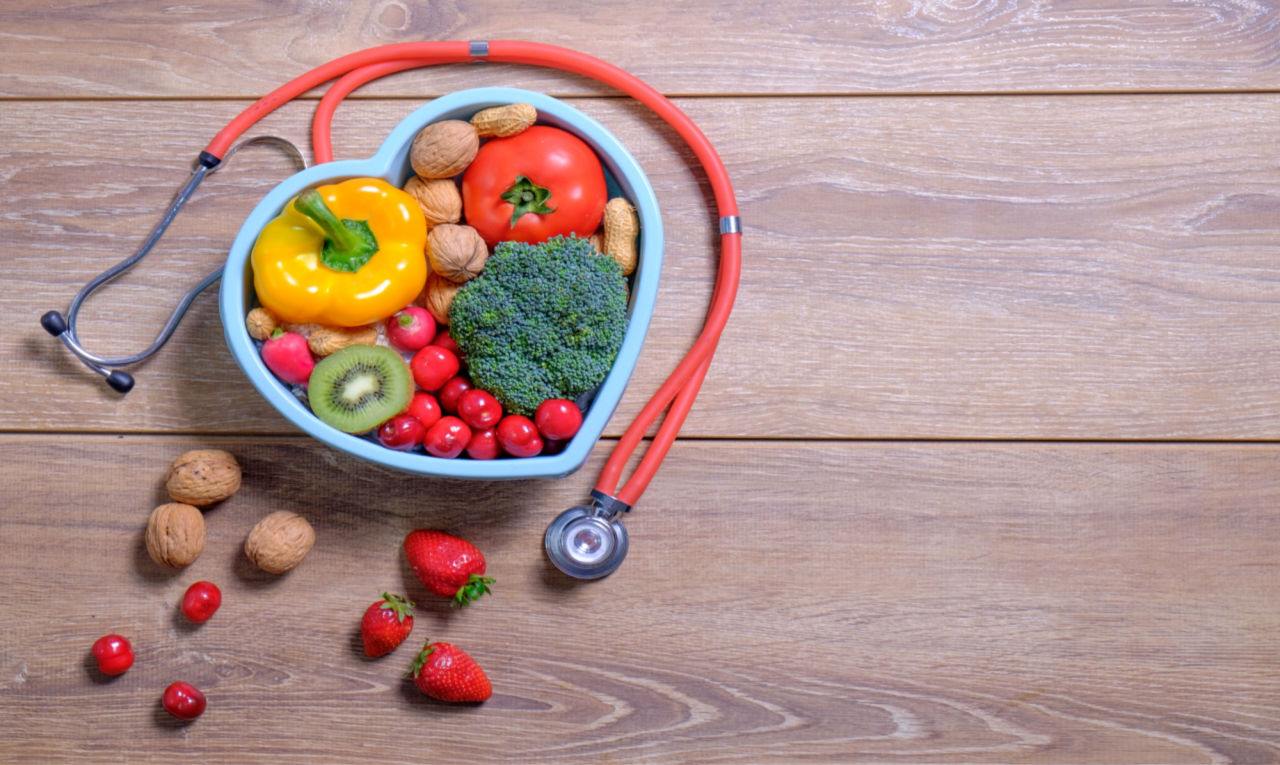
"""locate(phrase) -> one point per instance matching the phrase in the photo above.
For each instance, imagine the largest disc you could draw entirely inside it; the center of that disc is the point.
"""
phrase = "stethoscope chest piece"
(586, 543)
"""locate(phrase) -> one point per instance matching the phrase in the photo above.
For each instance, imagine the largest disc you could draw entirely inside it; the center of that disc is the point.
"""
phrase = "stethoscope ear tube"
(64, 327)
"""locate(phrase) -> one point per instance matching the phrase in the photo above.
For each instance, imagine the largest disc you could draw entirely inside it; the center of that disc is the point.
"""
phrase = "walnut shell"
(438, 296)
(439, 198)
(279, 542)
(261, 323)
(202, 477)
(175, 535)
(327, 340)
(444, 149)
(458, 253)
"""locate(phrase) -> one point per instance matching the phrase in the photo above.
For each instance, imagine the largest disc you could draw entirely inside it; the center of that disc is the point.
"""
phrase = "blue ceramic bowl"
(391, 162)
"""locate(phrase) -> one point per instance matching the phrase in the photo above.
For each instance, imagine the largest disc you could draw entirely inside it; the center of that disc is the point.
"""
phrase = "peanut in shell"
(504, 121)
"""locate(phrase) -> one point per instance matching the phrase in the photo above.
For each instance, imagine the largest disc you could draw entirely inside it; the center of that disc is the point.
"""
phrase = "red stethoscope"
(587, 541)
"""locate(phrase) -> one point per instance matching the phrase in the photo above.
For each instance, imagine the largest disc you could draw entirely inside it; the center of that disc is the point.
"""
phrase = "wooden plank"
(245, 48)
(861, 602)
(1083, 267)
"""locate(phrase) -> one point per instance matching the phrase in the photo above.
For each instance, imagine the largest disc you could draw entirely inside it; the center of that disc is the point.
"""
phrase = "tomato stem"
(525, 197)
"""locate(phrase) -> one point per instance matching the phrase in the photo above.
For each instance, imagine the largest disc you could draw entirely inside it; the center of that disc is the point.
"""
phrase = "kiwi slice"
(359, 387)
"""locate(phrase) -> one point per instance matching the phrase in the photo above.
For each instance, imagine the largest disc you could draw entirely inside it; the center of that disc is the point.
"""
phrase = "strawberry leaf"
(475, 587)
(420, 660)
(398, 603)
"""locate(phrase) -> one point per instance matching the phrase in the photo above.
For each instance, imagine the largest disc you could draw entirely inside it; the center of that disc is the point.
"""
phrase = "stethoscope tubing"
(675, 396)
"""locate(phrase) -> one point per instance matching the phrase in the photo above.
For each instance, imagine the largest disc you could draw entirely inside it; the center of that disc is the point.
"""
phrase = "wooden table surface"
(987, 467)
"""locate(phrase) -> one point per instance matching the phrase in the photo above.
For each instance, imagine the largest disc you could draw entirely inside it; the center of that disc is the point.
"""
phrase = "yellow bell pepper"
(343, 255)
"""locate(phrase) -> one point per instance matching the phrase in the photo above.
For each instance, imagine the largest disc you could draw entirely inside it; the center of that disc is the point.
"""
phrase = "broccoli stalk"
(541, 321)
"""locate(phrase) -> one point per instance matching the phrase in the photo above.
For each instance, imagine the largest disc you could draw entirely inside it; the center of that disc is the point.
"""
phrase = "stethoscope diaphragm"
(586, 543)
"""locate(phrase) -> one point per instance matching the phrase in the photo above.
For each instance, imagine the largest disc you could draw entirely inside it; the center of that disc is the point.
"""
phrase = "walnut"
(458, 253)
(327, 340)
(261, 323)
(279, 542)
(444, 149)
(439, 198)
(175, 535)
(438, 296)
(202, 477)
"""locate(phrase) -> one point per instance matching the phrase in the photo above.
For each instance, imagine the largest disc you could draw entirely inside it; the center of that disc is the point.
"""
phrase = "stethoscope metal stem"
(64, 327)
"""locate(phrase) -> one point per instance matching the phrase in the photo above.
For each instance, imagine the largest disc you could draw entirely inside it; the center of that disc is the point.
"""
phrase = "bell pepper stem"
(348, 244)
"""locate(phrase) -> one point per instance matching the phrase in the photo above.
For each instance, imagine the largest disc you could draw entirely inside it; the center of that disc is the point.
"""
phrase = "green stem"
(526, 196)
(348, 244)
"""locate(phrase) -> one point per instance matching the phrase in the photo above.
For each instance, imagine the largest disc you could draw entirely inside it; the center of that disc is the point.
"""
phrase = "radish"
(287, 356)
(411, 328)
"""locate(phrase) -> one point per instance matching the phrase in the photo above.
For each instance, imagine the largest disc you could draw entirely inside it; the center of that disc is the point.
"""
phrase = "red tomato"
(534, 185)
(558, 418)
(519, 436)
(433, 366)
(402, 432)
(451, 391)
(447, 438)
(426, 408)
(479, 409)
(113, 654)
(183, 700)
(200, 601)
(484, 445)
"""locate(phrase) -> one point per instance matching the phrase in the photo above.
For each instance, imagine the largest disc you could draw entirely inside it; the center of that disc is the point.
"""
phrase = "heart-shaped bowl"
(391, 163)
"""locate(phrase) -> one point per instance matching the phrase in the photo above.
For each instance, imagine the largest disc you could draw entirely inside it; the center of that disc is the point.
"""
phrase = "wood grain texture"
(994, 253)
(975, 267)
(914, 603)
(245, 48)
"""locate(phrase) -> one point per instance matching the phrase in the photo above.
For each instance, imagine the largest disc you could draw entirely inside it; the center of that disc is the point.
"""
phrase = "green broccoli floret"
(541, 321)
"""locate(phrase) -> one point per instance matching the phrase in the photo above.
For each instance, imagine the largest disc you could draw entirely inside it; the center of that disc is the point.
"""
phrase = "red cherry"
(200, 601)
(425, 407)
(484, 445)
(447, 438)
(479, 409)
(402, 432)
(558, 418)
(444, 340)
(113, 654)
(519, 436)
(433, 366)
(183, 700)
(452, 391)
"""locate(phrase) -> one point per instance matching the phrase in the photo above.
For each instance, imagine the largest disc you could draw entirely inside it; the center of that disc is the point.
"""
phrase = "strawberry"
(446, 672)
(386, 624)
(448, 566)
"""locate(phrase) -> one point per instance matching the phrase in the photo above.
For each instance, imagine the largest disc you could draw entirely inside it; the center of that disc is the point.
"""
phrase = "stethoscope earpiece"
(586, 542)
(64, 327)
